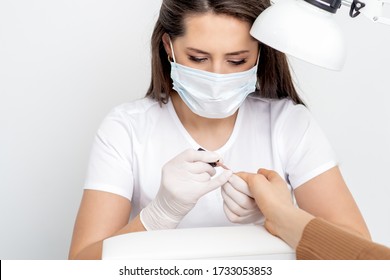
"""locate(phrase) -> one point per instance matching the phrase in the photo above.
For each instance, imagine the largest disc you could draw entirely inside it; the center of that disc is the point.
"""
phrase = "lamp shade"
(302, 30)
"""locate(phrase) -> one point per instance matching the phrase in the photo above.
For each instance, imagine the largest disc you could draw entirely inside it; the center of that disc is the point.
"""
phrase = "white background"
(65, 64)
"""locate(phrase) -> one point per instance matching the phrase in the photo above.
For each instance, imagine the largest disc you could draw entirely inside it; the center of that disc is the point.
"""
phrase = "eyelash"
(201, 60)
(238, 62)
(196, 59)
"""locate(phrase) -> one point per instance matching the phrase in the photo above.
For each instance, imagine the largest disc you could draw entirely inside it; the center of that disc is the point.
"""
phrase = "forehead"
(217, 32)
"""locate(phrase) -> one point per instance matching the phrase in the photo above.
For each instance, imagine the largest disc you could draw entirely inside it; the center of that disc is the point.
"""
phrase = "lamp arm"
(372, 9)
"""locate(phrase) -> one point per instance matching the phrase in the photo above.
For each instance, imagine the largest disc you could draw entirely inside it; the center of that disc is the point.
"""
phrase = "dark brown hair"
(274, 78)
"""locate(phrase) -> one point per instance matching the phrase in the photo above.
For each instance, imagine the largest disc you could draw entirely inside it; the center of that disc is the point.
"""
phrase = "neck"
(209, 133)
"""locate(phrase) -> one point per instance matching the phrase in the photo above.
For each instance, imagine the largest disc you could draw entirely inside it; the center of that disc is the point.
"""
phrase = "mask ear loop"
(258, 57)
(173, 53)
(257, 67)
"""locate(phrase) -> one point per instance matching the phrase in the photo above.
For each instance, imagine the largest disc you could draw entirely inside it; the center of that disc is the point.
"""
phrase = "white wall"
(65, 64)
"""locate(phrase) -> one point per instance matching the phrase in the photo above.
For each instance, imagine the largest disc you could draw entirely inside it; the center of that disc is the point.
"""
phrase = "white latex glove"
(239, 206)
(185, 179)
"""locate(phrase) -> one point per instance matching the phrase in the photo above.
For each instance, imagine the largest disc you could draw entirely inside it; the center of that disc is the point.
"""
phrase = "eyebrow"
(206, 53)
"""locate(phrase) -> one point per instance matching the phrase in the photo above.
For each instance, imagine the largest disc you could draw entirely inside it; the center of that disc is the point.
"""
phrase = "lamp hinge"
(356, 6)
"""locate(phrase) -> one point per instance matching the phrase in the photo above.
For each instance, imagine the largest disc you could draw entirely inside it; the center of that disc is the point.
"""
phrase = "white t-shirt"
(136, 139)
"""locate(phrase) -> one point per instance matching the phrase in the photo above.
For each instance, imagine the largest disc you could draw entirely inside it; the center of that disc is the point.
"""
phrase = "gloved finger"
(200, 167)
(217, 181)
(240, 198)
(191, 155)
(201, 177)
(233, 217)
(229, 214)
(257, 217)
(234, 206)
(240, 185)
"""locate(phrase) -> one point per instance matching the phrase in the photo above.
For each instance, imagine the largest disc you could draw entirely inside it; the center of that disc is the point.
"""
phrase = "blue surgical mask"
(212, 95)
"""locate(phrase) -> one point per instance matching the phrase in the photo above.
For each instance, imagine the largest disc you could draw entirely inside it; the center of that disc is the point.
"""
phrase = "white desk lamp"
(306, 29)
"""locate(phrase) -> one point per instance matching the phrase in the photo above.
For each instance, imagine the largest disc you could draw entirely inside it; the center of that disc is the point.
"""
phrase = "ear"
(167, 45)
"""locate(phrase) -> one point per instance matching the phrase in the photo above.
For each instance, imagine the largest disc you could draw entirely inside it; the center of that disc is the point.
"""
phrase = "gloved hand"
(185, 179)
(239, 205)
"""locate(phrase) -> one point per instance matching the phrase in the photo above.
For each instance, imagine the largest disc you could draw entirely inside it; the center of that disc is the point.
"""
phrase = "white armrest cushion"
(237, 242)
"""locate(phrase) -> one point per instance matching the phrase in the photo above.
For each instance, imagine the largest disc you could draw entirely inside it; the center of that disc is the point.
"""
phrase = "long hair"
(273, 73)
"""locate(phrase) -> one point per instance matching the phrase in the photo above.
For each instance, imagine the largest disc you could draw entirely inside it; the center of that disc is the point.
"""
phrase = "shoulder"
(136, 111)
(132, 116)
(136, 108)
(280, 110)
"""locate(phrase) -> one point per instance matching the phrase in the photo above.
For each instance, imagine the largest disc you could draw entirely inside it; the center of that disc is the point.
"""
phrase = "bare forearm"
(94, 250)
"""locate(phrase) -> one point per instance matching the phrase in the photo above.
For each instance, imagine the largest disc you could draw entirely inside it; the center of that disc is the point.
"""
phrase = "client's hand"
(274, 199)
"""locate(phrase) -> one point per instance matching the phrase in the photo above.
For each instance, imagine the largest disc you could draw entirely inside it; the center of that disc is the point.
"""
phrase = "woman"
(213, 88)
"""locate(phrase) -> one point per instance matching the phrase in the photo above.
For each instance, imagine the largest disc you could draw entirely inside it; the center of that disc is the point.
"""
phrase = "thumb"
(271, 175)
(218, 181)
(250, 179)
(240, 184)
(244, 176)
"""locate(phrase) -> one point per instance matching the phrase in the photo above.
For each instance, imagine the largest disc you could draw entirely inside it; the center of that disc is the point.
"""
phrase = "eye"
(237, 62)
(197, 59)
